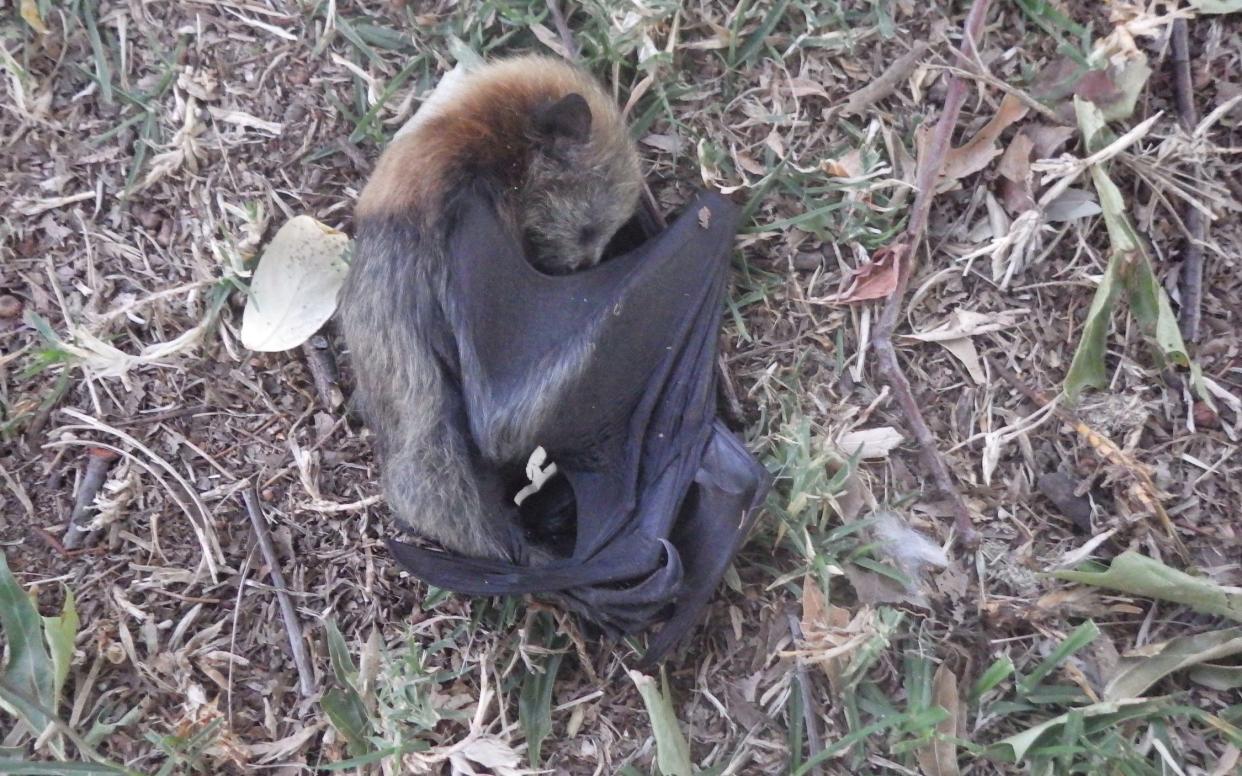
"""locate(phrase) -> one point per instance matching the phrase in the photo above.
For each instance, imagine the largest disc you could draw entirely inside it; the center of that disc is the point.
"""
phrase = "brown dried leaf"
(814, 606)
(875, 279)
(981, 149)
(939, 756)
(803, 87)
(1047, 139)
(1015, 164)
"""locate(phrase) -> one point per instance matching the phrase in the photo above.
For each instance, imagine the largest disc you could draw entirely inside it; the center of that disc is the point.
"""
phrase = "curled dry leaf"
(954, 335)
(875, 279)
(981, 149)
(830, 634)
(848, 166)
(293, 291)
(1047, 139)
(30, 13)
(494, 756)
(1112, 79)
(1016, 179)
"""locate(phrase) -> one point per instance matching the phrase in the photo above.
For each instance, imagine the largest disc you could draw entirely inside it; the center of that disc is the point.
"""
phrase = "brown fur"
(486, 132)
(552, 187)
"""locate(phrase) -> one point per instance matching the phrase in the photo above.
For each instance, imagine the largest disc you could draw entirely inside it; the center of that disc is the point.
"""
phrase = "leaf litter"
(137, 307)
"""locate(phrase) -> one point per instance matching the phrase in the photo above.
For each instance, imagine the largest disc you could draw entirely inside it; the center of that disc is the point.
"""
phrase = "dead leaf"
(670, 144)
(803, 87)
(1128, 77)
(550, 39)
(1062, 490)
(870, 443)
(848, 166)
(1072, 204)
(30, 12)
(872, 588)
(875, 279)
(968, 323)
(495, 755)
(1113, 82)
(954, 335)
(1097, 86)
(886, 82)
(1016, 178)
(814, 605)
(1057, 80)
(293, 291)
(1228, 761)
(939, 756)
(1015, 163)
(909, 550)
(1047, 139)
(829, 633)
(981, 149)
(854, 495)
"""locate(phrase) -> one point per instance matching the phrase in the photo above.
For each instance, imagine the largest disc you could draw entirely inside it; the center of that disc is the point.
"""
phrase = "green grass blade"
(1080, 637)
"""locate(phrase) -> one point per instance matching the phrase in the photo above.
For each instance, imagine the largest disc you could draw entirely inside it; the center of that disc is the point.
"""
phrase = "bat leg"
(549, 518)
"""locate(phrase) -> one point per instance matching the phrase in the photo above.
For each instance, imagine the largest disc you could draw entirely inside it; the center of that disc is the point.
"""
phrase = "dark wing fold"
(664, 493)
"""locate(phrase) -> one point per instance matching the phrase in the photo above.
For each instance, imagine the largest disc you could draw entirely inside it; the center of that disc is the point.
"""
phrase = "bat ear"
(569, 118)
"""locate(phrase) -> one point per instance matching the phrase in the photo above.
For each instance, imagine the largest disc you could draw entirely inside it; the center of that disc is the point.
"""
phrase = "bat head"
(582, 186)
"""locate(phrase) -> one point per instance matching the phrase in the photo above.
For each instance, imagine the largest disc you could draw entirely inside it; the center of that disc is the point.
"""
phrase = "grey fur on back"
(426, 468)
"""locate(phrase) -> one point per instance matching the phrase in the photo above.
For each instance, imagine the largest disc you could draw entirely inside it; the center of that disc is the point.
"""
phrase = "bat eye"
(587, 235)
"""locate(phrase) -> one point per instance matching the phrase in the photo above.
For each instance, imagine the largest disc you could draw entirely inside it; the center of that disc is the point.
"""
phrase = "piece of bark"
(98, 461)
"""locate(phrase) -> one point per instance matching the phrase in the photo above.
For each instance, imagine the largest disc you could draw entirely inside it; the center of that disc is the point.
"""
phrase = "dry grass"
(152, 149)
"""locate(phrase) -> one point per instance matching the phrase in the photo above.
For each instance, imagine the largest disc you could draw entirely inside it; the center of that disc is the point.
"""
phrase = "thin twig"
(322, 363)
(162, 417)
(562, 29)
(296, 643)
(886, 82)
(55, 544)
(1196, 224)
(907, 250)
(814, 741)
(98, 461)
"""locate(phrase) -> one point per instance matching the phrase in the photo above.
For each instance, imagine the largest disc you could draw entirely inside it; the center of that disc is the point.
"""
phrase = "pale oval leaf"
(293, 291)
(870, 443)
(1071, 205)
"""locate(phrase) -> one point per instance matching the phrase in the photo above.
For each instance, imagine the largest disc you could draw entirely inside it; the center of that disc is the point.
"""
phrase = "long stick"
(297, 645)
(907, 251)
(1196, 224)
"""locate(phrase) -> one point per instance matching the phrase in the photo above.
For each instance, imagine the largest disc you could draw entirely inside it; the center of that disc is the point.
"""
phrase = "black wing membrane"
(665, 494)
